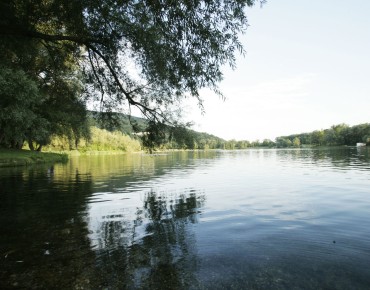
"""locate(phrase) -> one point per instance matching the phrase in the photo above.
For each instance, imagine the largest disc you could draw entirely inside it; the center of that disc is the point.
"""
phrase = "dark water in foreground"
(255, 219)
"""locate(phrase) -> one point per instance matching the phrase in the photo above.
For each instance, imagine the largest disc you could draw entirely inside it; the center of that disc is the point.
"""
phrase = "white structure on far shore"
(360, 144)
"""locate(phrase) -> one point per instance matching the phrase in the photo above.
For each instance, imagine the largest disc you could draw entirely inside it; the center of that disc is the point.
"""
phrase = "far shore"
(24, 157)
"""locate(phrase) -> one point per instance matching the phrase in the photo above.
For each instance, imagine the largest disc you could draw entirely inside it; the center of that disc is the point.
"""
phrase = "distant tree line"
(116, 134)
(109, 132)
(337, 135)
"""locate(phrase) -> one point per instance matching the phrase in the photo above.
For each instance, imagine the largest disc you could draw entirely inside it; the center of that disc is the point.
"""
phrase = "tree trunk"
(30, 144)
(2, 136)
(19, 145)
(39, 148)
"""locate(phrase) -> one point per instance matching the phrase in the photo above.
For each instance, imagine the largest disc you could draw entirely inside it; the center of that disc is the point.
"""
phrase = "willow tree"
(40, 94)
(146, 54)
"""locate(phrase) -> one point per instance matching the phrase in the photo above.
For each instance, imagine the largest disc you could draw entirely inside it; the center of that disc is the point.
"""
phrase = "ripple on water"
(255, 219)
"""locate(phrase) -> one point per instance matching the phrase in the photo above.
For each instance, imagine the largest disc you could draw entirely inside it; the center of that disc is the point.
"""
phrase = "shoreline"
(24, 157)
(12, 158)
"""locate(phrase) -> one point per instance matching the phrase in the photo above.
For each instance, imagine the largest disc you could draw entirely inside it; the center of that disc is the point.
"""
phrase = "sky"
(307, 67)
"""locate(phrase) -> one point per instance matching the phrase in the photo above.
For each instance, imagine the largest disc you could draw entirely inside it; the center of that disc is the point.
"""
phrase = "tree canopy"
(121, 54)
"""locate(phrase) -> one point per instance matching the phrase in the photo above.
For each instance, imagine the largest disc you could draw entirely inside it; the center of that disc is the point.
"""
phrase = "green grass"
(10, 157)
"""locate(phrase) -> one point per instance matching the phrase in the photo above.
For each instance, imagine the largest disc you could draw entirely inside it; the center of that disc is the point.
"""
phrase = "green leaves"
(18, 98)
(178, 47)
(144, 54)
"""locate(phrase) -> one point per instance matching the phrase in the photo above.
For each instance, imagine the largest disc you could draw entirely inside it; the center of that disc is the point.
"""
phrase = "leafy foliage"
(99, 140)
(337, 135)
(144, 54)
(39, 75)
(18, 101)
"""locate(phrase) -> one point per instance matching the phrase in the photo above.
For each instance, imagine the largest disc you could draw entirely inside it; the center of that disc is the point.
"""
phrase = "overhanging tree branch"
(144, 109)
(180, 48)
(88, 43)
(19, 32)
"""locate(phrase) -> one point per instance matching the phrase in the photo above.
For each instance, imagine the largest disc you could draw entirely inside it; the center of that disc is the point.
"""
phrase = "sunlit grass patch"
(9, 157)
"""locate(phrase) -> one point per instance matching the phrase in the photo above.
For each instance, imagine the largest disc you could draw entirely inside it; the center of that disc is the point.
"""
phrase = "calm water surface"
(254, 219)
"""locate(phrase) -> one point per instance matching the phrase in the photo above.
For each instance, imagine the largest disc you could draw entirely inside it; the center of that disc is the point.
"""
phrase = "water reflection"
(259, 219)
(338, 157)
(48, 241)
(155, 250)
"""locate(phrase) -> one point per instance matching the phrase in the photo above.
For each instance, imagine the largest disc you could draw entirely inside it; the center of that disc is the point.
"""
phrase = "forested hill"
(337, 135)
(174, 138)
(117, 122)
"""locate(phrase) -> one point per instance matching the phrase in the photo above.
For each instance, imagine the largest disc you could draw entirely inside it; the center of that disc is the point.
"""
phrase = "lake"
(252, 219)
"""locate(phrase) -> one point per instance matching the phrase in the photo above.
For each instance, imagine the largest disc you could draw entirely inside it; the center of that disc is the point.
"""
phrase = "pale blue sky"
(307, 67)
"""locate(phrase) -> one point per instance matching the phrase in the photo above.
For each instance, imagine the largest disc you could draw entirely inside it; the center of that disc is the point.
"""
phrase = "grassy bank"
(25, 157)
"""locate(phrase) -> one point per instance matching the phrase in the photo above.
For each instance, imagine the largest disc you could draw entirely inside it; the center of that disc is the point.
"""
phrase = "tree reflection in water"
(157, 250)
